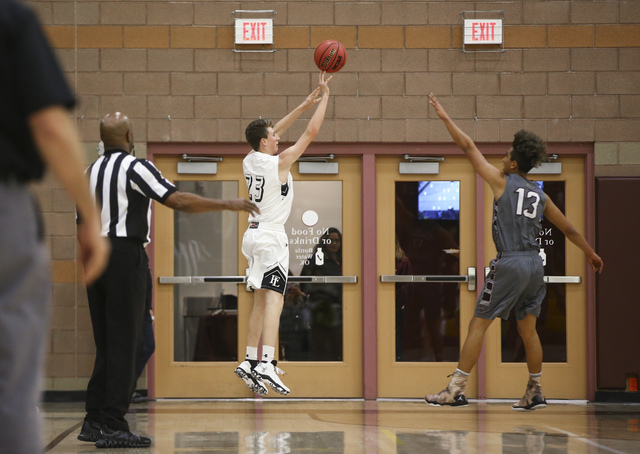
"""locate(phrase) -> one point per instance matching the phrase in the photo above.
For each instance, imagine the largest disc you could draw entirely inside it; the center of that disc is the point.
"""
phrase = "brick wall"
(571, 73)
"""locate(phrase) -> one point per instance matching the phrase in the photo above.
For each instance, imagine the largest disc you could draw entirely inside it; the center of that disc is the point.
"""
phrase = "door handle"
(324, 279)
(563, 279)
(470, 278)
(243, 279)
(552, 279)
(174, 280)
(200, 279)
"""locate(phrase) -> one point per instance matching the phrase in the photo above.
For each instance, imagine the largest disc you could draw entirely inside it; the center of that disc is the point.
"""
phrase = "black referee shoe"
(93, 431)
(123, 439)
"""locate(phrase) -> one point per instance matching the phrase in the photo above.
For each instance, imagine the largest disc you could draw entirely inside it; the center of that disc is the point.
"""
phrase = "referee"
(123, 187)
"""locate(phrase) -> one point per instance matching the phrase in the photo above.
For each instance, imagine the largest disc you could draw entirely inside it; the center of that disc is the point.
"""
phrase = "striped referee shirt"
(123, 186)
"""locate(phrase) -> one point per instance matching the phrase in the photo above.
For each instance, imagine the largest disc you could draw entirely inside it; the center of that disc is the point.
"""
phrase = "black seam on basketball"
(328, 65)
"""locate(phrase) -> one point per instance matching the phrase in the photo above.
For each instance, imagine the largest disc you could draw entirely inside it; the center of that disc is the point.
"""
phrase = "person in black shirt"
(124, 187)
(35, 134)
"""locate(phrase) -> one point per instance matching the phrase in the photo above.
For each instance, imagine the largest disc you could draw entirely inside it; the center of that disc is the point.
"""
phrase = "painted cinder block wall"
(570, 72)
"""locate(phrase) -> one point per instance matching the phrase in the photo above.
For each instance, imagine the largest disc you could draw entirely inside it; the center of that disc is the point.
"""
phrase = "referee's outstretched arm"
(116, 132)
(193, 203)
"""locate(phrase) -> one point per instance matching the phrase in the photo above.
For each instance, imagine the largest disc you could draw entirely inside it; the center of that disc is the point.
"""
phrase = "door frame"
(368, 153)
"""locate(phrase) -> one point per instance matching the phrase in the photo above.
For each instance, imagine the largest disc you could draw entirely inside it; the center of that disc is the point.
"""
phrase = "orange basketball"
(330, 56)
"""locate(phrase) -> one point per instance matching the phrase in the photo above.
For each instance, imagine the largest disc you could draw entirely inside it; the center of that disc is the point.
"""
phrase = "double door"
(431, 276)
(433, 242)
(201, 302)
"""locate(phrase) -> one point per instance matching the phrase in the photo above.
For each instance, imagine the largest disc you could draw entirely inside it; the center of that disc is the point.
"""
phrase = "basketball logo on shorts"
(274, 279)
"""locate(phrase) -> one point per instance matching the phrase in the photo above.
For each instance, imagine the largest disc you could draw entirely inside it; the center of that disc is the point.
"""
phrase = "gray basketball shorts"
(516, 279)
(266, 248)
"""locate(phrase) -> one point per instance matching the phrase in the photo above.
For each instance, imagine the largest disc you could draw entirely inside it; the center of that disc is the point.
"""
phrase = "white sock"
(535, 377)
(252, 353)
(268, 353)
(458, 380)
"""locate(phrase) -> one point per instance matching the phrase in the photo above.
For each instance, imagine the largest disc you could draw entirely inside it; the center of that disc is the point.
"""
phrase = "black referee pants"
(117, 305)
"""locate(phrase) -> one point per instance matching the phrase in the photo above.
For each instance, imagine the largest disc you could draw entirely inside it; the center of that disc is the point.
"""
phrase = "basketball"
(330, 56)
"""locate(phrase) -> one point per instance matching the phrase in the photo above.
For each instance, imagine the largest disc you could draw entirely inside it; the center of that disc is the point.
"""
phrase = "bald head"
(114, 131)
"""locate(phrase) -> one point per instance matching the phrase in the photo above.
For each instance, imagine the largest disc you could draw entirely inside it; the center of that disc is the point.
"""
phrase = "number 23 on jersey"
(256, 187)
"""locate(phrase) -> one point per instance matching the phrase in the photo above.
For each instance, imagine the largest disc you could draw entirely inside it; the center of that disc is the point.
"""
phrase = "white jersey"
(265, 189)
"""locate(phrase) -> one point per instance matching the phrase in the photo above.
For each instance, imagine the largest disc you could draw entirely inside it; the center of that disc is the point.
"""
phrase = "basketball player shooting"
(516, 274)
(265, 243)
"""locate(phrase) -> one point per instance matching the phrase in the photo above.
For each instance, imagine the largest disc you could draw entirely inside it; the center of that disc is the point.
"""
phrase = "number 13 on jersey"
(533, 198)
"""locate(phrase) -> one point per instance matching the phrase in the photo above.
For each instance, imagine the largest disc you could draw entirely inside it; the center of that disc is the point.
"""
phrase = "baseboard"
(71, 396)
(64, 396)
(617, 397)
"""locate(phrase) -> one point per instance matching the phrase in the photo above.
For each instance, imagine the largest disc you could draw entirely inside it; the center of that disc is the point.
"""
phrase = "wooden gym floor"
(273, 426)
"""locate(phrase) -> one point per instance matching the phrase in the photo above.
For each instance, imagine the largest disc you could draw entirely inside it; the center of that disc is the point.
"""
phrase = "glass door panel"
(312, 321)
(206, 314)
(427, 231)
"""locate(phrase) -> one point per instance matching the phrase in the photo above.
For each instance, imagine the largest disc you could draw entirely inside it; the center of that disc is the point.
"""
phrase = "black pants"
(148, 339)
(117, 305)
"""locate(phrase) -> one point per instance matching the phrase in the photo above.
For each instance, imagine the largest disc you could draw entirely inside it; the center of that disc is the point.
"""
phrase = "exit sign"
(254, 31)
(483, 31)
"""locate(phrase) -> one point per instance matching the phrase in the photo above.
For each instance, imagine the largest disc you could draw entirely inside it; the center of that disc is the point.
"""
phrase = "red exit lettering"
(254, 31)
(482, 31)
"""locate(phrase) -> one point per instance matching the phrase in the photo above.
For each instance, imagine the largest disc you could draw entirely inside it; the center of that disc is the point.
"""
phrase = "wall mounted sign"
(483, 31)
(254, 31)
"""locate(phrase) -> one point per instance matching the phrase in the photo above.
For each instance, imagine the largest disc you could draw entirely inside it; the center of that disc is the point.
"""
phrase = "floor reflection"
(533, 442)
(287, 442)
(363, 427)
(433, 441)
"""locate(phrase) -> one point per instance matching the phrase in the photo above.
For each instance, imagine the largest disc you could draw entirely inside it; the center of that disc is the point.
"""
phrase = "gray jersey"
(517, 214)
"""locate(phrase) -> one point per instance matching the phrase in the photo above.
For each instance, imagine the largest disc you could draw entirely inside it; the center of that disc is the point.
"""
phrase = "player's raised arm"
(489, 173)
(291, 154)
(284, 124)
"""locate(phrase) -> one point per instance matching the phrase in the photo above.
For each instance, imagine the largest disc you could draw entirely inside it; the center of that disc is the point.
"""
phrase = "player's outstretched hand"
(323, 83)
(243, 205)
(439, 109)
(596, 263)
(312, 98)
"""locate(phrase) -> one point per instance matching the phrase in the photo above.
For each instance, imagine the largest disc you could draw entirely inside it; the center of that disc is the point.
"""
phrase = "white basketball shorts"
(266, 247)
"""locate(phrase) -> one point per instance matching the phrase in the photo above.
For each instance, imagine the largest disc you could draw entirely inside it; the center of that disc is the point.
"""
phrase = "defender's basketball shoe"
(268, 372)
(533, 398)
(452, 395)
(243, 371)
